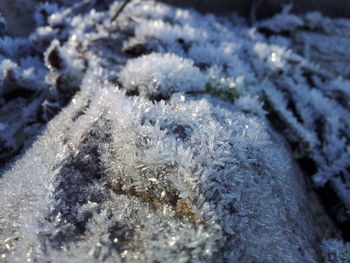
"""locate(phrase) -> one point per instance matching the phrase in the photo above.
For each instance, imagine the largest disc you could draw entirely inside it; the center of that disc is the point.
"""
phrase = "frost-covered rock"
(335, 251)
(171, 182)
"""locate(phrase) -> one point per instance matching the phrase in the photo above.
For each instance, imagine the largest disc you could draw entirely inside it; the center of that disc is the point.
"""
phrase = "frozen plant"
(14, 47)
(2, 25)
(161, 75)
(44, 11)
(283, 22)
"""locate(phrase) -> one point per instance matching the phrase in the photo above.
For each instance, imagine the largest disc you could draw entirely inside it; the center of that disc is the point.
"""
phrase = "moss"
(225, 93)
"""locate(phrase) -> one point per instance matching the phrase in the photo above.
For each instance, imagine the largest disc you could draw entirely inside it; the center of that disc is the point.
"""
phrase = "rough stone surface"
(98, 183)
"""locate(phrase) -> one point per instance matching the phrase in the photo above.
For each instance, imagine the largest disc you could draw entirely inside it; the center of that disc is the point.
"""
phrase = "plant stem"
(121, 8)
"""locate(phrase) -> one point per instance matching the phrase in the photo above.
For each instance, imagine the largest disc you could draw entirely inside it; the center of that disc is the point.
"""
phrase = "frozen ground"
(183, 137)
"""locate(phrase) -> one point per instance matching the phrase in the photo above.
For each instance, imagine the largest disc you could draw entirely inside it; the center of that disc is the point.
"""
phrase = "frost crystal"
(335, 251)
(161, 75)
(172, 145)
(147, 179)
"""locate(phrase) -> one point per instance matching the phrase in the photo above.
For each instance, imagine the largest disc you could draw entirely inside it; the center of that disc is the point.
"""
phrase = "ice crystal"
(335, 251)
(161, 74)
(147, 180)
(167, 150)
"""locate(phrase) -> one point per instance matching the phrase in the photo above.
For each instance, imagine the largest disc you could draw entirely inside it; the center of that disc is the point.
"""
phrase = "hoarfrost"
(169, 177)
(192, 170)
(335, 251)
(161, 74)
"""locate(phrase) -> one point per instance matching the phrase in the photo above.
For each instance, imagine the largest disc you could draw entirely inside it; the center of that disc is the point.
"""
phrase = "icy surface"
(174, 143)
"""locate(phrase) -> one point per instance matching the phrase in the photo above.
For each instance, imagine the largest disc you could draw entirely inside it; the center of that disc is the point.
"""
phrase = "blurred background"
(266, 8)
(18, 13)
